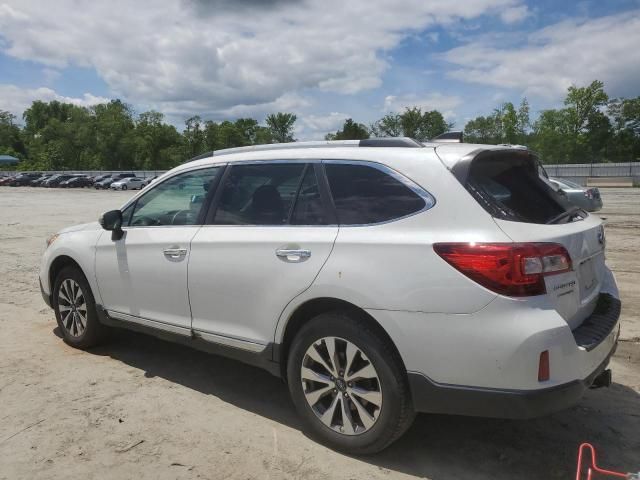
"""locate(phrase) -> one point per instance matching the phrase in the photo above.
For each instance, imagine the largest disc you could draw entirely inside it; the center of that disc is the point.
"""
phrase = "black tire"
(124, 187)
(396, 413)
(94, 332)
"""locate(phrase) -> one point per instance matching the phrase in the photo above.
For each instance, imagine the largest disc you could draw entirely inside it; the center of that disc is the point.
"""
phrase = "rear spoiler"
(448, 137)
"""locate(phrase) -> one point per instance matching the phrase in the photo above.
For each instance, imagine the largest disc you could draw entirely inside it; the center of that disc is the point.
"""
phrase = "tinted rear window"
(510, 188)
(364, 195)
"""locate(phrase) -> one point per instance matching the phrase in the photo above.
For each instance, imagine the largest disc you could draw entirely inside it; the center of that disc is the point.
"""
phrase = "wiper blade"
(569, 213)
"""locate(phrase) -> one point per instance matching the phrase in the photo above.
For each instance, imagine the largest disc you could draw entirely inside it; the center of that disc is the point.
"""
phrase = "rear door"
(528, 209)
(265, 243)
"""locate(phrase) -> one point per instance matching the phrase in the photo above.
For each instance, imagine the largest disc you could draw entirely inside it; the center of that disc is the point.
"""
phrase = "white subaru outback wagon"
(378, 277)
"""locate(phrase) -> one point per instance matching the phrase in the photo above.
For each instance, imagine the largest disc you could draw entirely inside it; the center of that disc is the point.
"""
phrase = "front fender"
(79, 246)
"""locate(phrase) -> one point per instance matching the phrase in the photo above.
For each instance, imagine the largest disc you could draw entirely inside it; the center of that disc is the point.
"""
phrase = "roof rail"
(448, 137)
(402, 142)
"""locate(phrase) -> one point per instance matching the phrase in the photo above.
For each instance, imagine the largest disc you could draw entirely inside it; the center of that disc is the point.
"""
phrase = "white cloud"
(224, 56)
(514, 14)
(16, 99)
(555, 57)
(434, 101)
(325, 123)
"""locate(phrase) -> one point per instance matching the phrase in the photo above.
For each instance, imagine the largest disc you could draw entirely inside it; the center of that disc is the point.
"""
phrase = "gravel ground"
(146, 409)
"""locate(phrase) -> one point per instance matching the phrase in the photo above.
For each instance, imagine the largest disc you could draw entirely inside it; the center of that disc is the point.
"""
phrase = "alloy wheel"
(341, 386)
(72, 306)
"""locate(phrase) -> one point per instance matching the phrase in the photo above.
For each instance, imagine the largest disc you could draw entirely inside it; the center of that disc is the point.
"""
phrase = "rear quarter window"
(364, 194)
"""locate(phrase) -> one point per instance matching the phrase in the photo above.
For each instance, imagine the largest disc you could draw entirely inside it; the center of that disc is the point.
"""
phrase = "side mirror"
(112, 221)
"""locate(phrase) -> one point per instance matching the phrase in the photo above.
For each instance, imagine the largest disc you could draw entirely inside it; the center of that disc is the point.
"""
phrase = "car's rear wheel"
(75, 309)
(349, 384)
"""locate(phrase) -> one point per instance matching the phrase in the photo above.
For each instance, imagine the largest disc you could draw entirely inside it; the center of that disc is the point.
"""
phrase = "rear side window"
(509, 187)
(259, 194)
(363, 194)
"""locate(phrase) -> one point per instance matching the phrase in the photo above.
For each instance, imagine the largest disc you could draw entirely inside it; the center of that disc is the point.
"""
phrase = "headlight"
(52, 239)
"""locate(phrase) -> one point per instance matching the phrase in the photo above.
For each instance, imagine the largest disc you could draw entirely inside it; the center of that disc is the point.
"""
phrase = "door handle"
(174, 252)
(293, 255)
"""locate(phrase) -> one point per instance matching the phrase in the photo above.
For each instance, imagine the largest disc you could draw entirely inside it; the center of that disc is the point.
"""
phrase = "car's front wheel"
(75, 309)
(349, 384)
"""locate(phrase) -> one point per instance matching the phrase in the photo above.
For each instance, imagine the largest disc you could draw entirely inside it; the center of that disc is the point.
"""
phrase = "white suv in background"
(377, 277)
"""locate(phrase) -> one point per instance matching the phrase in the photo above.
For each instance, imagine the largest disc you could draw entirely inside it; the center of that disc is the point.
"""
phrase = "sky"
(324, 60)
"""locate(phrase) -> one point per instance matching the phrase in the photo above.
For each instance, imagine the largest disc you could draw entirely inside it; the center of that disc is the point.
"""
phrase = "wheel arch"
(58, 264)
(316, 306)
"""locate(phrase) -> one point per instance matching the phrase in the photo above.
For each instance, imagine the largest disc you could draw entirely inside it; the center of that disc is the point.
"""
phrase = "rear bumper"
(429, 396)
(598, 335)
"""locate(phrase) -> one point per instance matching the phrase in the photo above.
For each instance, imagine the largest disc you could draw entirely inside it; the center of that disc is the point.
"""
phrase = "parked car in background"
(23, 179)
(77, 181)
(37, 182)
(129, 183)
(584, 197)
(380, 277)
(107, 181)
(5, 180)
(104, 183)
(99, 178)
(56, 180)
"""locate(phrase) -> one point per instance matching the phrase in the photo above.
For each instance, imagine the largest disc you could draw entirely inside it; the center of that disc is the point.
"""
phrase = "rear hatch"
(511, 186)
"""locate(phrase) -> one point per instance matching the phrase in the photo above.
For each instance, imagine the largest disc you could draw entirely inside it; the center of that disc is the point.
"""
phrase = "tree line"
(590, 127)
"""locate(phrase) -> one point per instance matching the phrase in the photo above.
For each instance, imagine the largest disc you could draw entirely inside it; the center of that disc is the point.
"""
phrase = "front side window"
(363, 194)
(176, 201)
(259, 194)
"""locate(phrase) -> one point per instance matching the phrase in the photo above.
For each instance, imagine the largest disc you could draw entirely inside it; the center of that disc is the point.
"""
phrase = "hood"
(81, 227)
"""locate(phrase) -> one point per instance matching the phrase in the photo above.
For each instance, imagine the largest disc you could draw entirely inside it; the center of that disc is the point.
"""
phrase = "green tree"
(10, 136)
(114, 125)
(504, 125)
(388, 126)
(154, 141)
(194, 136)
(350, 131)
(550, 132)
(411, 123)
(281, 126)
(625, 115)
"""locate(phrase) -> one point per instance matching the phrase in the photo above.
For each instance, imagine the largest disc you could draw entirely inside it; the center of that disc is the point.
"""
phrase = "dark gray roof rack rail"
(402, 142)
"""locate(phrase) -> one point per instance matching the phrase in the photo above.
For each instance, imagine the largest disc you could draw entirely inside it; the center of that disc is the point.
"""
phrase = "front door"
(142, 277)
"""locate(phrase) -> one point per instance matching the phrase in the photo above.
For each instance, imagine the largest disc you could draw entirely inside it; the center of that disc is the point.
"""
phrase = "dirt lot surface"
(146, 409)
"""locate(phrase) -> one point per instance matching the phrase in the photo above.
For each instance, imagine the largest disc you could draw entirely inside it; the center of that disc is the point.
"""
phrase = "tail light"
(589, 194)
(543, 367)
(512, 269)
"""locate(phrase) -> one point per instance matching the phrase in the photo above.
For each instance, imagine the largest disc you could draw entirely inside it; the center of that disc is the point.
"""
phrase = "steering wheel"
(146, 222)
(178, 215)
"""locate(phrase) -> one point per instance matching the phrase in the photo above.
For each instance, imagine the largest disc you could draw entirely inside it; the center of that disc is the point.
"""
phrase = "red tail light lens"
(512, 269)
(544, 370)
